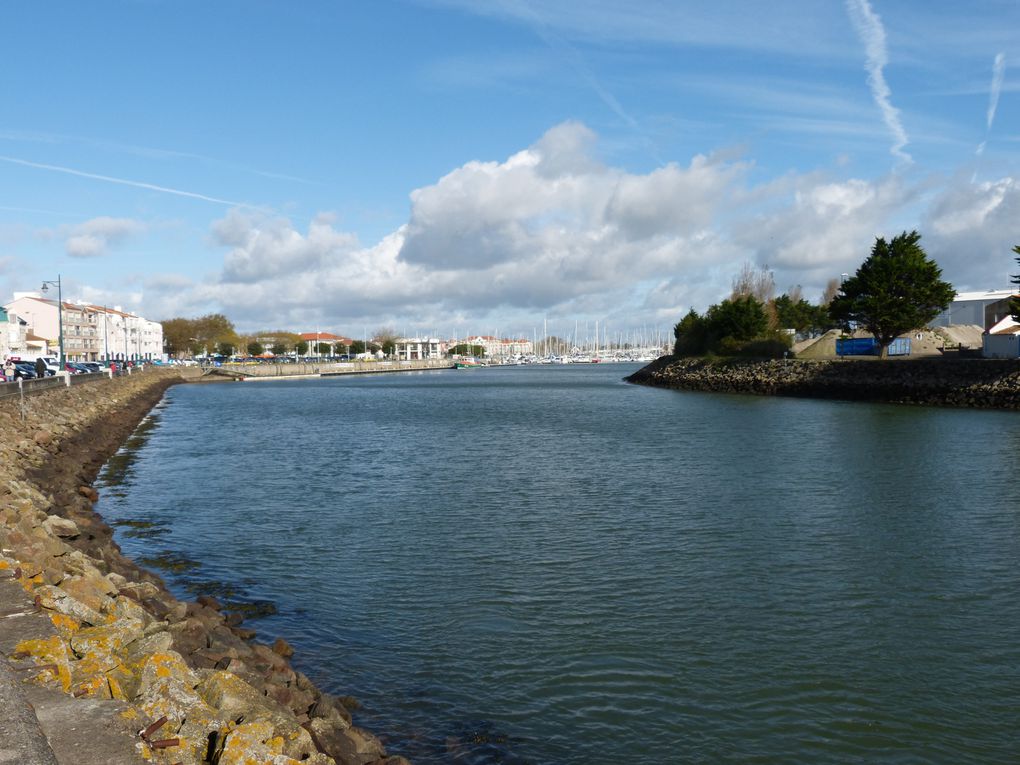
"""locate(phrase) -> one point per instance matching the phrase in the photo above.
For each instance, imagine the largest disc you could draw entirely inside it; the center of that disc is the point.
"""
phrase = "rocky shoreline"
(976, 383)
(191, 679)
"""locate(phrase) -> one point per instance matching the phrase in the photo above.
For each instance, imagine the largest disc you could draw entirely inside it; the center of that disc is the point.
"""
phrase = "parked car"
(24, 371)
(92, 366)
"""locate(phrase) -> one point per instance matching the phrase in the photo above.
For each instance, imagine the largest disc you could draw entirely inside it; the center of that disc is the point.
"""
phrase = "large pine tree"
(1014, 304)
(897, 289)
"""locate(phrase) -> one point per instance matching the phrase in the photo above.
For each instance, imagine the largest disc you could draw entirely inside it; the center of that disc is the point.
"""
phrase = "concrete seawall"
(978, 383)
(272, 371)
(117, 669)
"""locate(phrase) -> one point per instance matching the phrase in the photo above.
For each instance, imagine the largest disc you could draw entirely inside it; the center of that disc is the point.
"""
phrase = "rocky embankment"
(980, 383)
(195, 684)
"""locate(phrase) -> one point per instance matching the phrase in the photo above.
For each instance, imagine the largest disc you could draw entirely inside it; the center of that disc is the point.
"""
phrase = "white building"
(416, 348)
(13, 335)
(1002, 340)
(983, 309)
(90, 332)
(501, 348)
(127, 336)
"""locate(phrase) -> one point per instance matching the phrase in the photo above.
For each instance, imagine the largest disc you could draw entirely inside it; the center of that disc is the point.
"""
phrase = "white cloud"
(827, 228)
(545, 202)
(552, 231)
(94, 237)
(973, 232)
(265, 248)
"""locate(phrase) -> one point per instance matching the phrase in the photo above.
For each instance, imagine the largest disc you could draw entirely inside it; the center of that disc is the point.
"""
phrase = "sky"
(460, 166)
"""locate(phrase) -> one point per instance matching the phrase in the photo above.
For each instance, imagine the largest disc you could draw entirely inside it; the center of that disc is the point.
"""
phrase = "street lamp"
(106, 336)
(60, 316)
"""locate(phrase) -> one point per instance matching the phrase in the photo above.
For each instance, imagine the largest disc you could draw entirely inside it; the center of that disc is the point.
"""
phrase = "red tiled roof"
(326, 337)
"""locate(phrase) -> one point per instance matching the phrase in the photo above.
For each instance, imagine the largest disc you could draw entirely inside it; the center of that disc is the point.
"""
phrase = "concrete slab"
(84, 731)
(43, 726)
(22, 741)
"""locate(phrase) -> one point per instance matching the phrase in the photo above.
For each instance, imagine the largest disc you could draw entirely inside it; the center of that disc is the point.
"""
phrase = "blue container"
(857, 346)
(899, 347)
(868, 346)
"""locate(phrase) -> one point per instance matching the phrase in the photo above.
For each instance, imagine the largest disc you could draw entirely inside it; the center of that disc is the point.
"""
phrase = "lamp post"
(60, 316)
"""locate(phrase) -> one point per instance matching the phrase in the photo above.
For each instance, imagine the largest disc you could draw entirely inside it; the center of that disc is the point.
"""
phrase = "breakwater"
(188, 677)
(978, 383)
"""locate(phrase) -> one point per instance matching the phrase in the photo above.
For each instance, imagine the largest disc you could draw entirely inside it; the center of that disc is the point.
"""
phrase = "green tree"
(323, 349)
(301, 347)
(897, 289)
(177, 334)
(357, 346)
(387, 338)
(255, 348)
(797, 313)
(278, 349)
(737, 320)
(464, 349)
(691, 334)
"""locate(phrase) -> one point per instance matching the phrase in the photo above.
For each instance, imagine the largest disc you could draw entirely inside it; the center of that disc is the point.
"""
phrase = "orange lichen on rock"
(52, 654)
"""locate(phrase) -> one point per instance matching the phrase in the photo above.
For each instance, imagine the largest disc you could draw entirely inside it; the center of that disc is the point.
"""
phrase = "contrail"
(36, 210)
(872, 34)
(998, 74)
(122, 181)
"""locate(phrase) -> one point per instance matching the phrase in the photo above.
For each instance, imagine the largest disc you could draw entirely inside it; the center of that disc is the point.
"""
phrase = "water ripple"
(548, 566)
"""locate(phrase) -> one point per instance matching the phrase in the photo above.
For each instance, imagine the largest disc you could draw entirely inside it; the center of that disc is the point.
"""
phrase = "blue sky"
(442, 165)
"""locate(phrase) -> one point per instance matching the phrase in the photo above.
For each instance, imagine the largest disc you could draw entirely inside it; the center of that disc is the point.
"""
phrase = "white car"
(52, 367)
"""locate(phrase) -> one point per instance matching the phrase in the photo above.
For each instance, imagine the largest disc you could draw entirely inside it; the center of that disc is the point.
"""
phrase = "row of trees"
(750, 321)
(215, 334)
(897, 289)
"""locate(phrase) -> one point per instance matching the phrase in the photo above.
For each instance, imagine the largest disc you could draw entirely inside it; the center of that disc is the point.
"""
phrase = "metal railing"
(23, 387)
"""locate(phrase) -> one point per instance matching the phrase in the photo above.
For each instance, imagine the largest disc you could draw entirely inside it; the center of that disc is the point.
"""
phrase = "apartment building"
(90, 332)
(13, 335)
(498, 348)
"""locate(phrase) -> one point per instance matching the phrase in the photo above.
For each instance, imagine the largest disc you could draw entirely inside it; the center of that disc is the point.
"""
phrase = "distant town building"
(13, 335)
(417, 348)
(501, 348)
(983, 309)
(90, 332)
(338, 344)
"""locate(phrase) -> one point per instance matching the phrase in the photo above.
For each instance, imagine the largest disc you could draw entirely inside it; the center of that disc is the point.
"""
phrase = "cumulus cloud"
(825, 228)
(546, 201)
(973, 231)
(553, 231)
(264, 248)
(93, 238)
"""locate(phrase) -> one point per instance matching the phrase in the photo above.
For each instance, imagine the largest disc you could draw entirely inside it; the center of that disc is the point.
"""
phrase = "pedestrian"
(40, 367)
(9, 370)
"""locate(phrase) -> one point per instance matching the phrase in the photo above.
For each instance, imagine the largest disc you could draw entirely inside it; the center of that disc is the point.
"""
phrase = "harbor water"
(548, 565)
